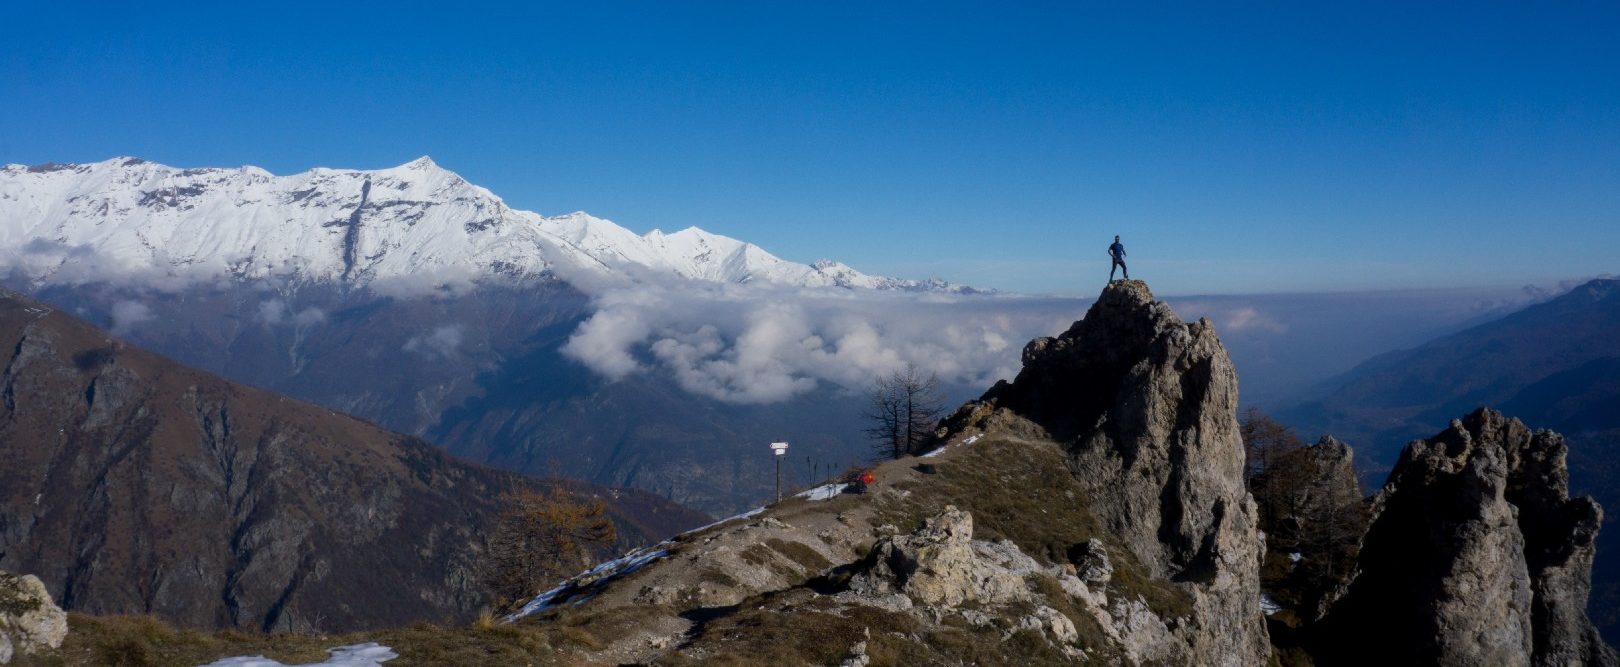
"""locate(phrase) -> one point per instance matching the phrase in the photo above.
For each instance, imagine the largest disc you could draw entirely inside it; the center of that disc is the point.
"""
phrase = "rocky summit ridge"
(1094, 510)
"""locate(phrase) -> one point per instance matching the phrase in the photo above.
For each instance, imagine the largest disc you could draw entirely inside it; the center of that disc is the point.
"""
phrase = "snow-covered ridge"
(415, 224)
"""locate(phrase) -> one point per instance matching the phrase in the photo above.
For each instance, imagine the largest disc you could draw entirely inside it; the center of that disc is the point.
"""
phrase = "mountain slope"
(136, 485)
(409, 228)
(1387, 399)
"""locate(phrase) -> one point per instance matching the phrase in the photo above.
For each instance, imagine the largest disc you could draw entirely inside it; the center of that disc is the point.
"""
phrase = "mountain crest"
(414, 226)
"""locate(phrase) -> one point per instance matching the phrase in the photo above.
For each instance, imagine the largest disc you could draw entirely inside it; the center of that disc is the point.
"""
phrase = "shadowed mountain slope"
(133, 484)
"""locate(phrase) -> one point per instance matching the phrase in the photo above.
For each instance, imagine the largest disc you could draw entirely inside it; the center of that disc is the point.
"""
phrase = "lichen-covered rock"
(1091, 564)
(29, 621)
(1476, 555)
(938, 565)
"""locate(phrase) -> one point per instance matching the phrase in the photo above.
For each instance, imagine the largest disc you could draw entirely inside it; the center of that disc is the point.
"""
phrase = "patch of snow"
(369, 654)
(1295, 557)
(824, 491)
(744, 515)
(945, 447)
(1268, 605)
(592, 580)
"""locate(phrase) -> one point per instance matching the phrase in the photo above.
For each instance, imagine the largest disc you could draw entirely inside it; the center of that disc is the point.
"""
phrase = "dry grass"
(1023, 492)
(142, 641)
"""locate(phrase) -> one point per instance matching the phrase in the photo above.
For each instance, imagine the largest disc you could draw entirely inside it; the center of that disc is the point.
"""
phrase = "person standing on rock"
(1117, 253)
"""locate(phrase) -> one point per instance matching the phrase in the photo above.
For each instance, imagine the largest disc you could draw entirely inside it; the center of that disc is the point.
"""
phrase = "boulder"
(938, 565)
(30, 622)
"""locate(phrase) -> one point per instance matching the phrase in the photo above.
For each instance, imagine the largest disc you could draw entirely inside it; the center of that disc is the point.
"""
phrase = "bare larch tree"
(905, 405)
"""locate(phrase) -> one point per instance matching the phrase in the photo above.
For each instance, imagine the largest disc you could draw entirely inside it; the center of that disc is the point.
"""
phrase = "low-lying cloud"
(275, 311)
(443, 342)
(128, 313)
(744, 344)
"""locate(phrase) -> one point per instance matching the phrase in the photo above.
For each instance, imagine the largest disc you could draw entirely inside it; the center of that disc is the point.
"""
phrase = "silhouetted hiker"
(1117, 252)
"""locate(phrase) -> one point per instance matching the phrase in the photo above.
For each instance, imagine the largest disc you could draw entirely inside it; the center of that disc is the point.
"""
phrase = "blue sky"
(1237, 147)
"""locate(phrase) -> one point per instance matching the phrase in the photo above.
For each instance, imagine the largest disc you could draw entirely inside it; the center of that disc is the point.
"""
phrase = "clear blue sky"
(1237, 147)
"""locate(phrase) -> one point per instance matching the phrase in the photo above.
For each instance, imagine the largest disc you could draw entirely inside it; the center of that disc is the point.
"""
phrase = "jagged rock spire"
(1476, 555)
(1146, 405)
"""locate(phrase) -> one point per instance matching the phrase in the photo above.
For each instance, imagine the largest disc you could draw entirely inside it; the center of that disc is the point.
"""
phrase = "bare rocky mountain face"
(1476, 555)
(132, 484)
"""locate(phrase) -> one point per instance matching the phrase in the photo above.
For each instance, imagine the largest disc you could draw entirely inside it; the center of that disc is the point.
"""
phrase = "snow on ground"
(592, 580)
(369, 654)
(583, 586)
(942, 449)
(744, 515)
(824, 491)
(1268, 605)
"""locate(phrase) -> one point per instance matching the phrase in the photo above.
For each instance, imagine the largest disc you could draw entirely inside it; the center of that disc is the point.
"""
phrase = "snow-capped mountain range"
(415, 225)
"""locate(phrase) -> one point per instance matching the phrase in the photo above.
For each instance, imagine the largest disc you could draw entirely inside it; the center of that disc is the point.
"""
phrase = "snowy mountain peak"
(415, 224)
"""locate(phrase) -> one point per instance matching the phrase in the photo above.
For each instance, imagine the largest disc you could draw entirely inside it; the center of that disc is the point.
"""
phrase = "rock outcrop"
(1475, 555)
(1147, 407)
(30, 622)
(937, 565)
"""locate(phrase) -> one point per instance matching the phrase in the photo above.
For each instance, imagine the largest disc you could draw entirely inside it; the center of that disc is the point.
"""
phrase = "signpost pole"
(780, 450)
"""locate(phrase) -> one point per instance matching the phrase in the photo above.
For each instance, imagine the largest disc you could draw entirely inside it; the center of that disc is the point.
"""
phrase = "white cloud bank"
(745, 344)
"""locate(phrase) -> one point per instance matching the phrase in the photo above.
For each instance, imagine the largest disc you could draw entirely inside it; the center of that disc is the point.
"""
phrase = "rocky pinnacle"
(1476, 555)
(1146, 406)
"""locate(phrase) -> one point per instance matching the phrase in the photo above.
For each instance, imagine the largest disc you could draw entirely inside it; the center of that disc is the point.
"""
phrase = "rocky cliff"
(1146, 407)
(1475, 555)
(132, 484)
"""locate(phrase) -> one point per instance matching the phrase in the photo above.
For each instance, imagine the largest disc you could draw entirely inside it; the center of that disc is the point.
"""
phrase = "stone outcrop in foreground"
(30, 622)
(1476, 555)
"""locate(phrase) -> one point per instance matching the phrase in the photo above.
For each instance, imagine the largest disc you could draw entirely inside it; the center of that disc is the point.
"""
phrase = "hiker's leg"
(1112, 267)
(1125, 269)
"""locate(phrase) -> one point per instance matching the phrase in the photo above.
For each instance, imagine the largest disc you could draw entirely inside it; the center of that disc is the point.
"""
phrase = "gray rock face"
(1476, 555)
(29, 621)
(1147, 406)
